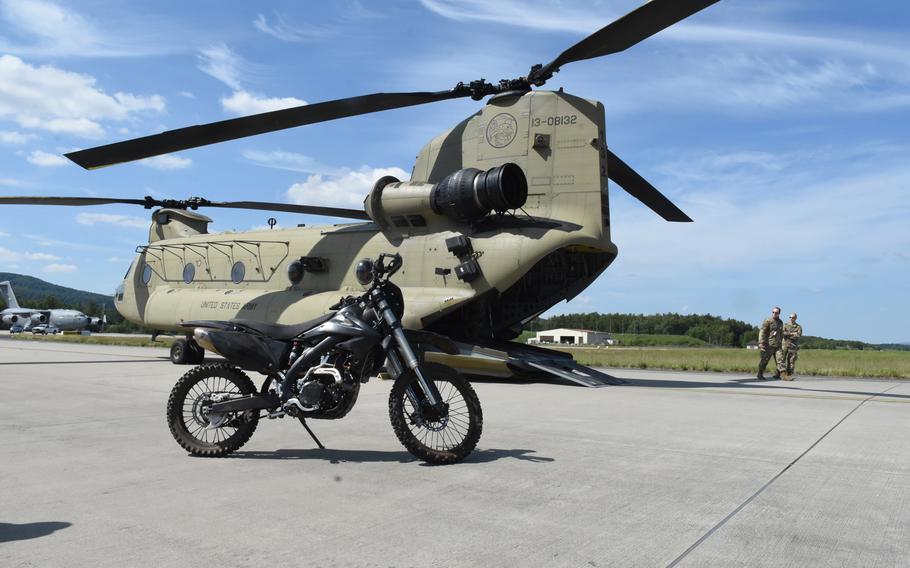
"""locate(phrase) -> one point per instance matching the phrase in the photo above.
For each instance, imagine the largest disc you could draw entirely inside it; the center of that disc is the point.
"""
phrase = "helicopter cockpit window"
(238, 271)
(189, 272)
(146, 274)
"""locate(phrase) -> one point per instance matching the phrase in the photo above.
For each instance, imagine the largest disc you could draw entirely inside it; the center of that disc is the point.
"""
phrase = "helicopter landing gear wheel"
(438, 438)
(194, 427)
(186, 352)
(179, 352)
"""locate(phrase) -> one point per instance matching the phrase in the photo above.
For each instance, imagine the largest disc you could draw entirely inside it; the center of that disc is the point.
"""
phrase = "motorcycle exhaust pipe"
(201, 336)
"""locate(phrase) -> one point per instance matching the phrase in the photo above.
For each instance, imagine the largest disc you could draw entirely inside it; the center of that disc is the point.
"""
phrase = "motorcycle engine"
(322, 388)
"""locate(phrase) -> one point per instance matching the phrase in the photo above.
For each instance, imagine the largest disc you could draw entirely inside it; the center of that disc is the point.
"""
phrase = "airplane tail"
(7, 290)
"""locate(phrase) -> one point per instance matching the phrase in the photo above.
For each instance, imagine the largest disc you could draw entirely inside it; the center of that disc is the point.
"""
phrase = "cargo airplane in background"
(66, 320)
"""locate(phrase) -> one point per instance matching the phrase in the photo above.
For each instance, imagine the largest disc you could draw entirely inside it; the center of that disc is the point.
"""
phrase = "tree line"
(713, 330)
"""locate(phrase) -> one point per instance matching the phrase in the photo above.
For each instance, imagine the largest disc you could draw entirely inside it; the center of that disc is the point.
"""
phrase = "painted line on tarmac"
(89, 352)
(155, 360)
(742, 506)
(790, 395)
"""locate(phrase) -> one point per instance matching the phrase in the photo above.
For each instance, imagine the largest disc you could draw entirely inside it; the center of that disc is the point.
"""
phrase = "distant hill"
(35, 293)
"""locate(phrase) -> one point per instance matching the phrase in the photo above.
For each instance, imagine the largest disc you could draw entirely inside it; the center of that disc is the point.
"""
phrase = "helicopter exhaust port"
(469, 194)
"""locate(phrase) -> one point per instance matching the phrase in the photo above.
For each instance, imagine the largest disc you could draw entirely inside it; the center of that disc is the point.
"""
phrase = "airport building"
(573, 337)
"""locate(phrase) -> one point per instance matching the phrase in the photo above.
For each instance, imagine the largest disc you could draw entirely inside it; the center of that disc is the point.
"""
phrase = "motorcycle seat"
(282, 332)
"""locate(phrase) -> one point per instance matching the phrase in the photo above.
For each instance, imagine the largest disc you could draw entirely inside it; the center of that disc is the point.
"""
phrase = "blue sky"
(781, 127)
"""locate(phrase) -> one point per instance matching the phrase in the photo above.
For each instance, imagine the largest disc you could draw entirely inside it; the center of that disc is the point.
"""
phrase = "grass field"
(838, 363)
(126, 340)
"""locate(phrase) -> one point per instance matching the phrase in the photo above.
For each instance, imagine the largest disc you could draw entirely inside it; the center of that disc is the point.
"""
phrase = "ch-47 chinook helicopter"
(505, 215)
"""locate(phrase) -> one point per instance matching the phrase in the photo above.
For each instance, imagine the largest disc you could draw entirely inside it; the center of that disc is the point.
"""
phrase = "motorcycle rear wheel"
(452, 437)
(188, 420)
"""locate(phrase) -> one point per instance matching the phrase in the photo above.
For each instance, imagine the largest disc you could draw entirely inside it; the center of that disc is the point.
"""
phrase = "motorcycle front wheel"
(436, 438)
(198, 431)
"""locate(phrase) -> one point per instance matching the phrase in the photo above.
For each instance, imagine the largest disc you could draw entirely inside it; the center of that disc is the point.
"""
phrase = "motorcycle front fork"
(429, 394)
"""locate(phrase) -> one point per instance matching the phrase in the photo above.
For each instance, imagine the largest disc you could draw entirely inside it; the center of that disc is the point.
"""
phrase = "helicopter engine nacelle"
(463, 196)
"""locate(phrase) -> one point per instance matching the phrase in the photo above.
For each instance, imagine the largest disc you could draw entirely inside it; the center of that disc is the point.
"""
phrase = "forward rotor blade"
(637, 25)
(289, 208)
(639, 188)
(70, 201)
(192, 203)
(231, 129)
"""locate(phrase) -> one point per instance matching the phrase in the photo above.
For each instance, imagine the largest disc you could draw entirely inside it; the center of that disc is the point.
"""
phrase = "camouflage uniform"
(770, 336)
(792, 333)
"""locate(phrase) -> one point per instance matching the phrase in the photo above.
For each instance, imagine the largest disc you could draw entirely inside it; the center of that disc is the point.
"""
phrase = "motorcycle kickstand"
(310, 432)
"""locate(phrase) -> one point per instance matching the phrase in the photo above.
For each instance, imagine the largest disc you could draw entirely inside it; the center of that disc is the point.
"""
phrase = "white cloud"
(116, 259)
(755, 63)
(222, 63)
(10, 182)
(286, 31)
(48, 29)
(13, 137)
(292, 161)
(243, 102)
(7, 255)
(111, 219)
(764, 29)
(2, 234)
(59, 268)
(346, 190)
(861, 213)
(40, 256)
(46, 160)
(52, 99)
(51, 24)
(187, 95)
(167, 162)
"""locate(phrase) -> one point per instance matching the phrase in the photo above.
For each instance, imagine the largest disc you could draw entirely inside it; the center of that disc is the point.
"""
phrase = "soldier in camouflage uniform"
(770, 336)
(792, 332)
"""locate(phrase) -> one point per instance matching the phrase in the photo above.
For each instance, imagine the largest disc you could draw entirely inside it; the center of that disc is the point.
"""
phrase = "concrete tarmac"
(669, 469)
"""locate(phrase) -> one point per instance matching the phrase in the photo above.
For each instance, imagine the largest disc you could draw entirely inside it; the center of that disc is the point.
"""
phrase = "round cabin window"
(238, 271)
(146, 274)
(189, 272)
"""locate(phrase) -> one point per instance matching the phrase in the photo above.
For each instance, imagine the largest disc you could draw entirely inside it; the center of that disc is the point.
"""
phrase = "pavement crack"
(761, 489)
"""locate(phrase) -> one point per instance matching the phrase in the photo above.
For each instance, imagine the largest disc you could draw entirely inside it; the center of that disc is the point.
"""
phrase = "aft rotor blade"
(639, 188)
(625, 32)
(290, 208)
(70, 201)
(231, 129)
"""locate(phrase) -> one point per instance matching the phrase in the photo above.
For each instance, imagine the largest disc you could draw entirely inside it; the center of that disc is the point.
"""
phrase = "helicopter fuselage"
(474, 280)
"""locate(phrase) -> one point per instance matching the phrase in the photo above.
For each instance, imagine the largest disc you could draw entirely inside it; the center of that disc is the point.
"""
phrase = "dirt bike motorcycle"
(315, 370)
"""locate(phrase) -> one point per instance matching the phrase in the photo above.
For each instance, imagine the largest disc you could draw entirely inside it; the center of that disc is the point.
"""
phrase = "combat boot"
(776, 376)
